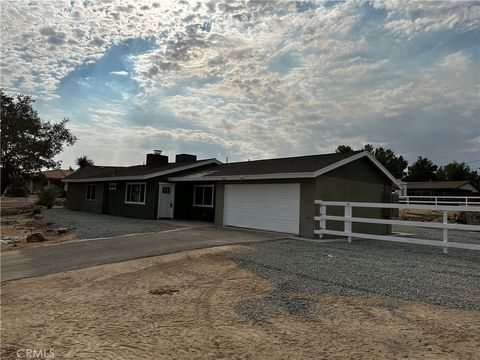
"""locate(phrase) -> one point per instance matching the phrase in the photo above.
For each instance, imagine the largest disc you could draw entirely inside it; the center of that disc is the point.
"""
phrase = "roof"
(56, 174)
(437, 184)
(282, 168)
(137, 172)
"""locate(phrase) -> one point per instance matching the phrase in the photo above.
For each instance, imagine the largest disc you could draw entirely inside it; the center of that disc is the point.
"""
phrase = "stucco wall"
(112, 202)
(357, 181)
(76, 198)
(115, 201)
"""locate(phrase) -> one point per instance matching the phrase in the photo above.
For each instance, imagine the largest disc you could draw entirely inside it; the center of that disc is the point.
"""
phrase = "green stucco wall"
(112, 202)
(115, 201)
(76, 198)
(358, 181)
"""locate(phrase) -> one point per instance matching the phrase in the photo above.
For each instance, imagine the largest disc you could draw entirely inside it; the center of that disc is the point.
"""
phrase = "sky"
(249, 79)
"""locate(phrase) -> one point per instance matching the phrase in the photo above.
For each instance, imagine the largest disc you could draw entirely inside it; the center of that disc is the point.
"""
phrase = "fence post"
(436, 200)
(347, 227)
(323, 222)
(445, 231)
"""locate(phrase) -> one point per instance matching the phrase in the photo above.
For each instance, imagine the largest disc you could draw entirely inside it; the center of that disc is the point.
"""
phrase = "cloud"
(455, 61)
(251, 79)
(119, 73)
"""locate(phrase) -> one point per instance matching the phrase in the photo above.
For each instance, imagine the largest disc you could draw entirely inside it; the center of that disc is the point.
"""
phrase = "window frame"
(112, 186)
(144, 193)
(195, 187)
(87, 193)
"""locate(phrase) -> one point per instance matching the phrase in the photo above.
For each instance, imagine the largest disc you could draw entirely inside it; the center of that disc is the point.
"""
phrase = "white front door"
(273, 207)
(166, 197)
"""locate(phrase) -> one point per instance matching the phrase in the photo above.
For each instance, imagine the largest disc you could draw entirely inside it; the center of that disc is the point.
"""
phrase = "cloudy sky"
(250, 79)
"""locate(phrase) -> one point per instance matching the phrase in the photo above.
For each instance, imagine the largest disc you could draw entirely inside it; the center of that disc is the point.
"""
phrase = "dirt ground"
(17, 220)
(185, 305)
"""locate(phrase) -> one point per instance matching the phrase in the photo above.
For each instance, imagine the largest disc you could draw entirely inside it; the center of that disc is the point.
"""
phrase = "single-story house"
(49, 177)
(442, 188)
(274, 194)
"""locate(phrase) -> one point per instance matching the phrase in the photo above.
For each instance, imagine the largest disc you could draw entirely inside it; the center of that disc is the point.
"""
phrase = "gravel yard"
(364, 267)
(88, 226)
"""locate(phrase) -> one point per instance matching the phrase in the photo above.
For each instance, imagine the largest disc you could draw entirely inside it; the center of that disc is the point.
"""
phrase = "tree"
(369, 148)
(457, 171)
(28, 143)
(342, 149)
(84, 161)
(422, 169)
(393, 163)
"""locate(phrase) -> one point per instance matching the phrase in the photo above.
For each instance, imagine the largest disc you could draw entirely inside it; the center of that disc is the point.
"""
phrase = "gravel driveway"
(364, 267)
(88, 226)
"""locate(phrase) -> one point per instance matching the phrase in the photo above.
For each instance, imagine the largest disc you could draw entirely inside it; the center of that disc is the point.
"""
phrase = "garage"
(272, 207)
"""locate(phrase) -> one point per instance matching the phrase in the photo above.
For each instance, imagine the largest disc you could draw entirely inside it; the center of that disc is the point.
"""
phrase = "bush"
(48, 195)
(17, 191)
(36, 210)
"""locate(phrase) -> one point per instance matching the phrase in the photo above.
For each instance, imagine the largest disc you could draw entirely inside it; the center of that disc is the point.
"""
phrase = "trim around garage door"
(271, 207)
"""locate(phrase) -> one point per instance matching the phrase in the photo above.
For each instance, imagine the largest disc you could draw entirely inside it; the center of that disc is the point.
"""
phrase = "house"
(442, 188)
(49, 177)
(274, 194)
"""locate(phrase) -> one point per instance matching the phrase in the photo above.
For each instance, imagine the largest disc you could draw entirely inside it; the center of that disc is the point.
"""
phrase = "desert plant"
(48, 195)
(16, 191)
(36, 210)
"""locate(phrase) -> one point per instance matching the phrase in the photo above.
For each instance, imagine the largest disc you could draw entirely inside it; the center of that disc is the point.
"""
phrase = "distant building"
(441, 188)
(50, 177)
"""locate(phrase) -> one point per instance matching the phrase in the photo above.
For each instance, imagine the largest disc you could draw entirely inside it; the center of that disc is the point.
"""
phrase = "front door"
(166, 196)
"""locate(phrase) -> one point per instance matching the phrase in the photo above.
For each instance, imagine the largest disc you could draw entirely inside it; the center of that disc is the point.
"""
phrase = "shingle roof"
(283, 168)
(436, 184)
(95, 172)
(297, 164)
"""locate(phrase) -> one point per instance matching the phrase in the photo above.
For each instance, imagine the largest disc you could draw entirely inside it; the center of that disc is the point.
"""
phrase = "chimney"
(184, 158)
(156, 159)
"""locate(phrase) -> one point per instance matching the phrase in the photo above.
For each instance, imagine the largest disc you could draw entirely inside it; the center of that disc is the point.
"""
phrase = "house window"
(203, 195)
(112, 186)
(165, 189)
(91, 192)
(135, 193)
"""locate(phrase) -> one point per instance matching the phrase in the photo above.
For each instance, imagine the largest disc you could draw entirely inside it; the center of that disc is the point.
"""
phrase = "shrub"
(36, 210)
(16, 191)
(48, 195)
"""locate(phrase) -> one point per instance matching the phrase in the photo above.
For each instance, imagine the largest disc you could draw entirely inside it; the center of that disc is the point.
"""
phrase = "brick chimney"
(156, 159)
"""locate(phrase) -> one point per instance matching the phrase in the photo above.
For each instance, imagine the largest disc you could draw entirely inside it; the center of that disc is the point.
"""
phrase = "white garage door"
(273, 207)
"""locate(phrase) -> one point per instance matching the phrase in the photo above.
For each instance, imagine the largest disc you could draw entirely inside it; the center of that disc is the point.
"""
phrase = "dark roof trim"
(147, 176)
(205, 177)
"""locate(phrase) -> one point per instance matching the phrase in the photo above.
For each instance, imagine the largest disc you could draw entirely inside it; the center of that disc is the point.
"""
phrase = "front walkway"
(79, 254)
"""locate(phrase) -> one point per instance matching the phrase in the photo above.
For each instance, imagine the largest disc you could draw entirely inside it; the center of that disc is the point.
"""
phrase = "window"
(203, 195)
(112, 186)
(165, 189)
(91, 191)
(135, 193)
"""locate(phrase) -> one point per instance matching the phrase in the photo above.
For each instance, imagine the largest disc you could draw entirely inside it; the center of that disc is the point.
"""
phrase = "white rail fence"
(440, 200)
(348, 220)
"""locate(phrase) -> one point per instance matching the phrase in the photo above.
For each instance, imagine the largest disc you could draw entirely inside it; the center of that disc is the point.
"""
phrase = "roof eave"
(142, 177)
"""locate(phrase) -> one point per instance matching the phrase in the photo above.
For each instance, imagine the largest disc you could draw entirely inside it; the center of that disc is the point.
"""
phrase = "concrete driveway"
(84, 253)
